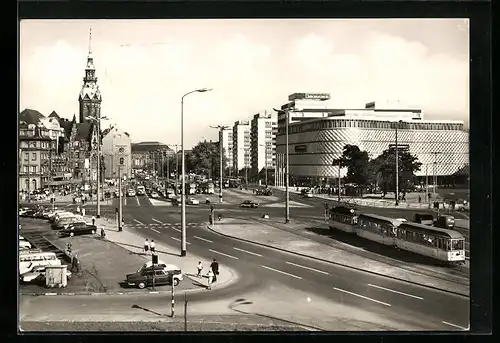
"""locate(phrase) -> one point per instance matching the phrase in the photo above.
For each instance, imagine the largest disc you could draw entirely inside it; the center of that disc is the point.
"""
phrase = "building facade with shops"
(318, 134)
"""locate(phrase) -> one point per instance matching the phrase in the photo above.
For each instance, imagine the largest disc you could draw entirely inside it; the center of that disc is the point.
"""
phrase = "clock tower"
(90, 96)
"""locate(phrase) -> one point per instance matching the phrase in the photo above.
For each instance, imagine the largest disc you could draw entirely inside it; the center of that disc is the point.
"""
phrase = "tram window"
(440, 243)
(448, 245)
(457, 244)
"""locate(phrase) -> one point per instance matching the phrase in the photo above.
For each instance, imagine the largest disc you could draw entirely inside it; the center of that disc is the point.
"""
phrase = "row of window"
(380, 229)
(368, 124)
(344, 219)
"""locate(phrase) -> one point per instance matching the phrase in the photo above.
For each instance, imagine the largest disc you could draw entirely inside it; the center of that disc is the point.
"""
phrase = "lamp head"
(201, 90)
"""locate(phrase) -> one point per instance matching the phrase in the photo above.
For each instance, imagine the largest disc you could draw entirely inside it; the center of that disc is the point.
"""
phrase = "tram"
(438, 243)
(378, 228)
(343, 218)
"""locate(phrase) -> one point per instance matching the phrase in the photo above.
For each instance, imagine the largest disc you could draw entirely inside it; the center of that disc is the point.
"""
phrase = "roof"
(432, 230)
(30, 116)
(54, 115)
(67, 125)
(393, 221)
(149, 146)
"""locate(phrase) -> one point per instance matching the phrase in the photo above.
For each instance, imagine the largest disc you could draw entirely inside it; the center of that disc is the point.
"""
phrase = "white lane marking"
(203, 239)
(279, 271)
(154, 230)
(398, 292)
(220, 253)
(178, 230)
(178, 240)
(298, 265)
(455, 326)
(156, 220)
(361, 296)
(138, 221)
(137, 199)
(248, 252)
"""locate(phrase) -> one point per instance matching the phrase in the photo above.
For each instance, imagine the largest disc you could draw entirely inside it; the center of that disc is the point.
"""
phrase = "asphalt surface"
(387, 297)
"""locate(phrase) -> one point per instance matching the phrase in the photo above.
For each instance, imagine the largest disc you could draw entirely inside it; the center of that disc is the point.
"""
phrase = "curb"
(339, 264)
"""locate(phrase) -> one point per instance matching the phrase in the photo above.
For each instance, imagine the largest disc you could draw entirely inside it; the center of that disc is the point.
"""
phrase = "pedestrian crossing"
(160, 225)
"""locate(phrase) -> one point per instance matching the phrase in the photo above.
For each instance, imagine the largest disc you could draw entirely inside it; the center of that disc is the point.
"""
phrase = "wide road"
(389, 298)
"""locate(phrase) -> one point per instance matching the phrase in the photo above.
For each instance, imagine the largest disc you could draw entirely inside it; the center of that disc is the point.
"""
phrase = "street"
(384, 296)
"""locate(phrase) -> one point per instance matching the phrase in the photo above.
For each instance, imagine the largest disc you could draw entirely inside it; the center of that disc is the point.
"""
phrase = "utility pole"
(397, 165)
(120, 208)
(221, 129)
(434, 178)
(338, 197)
(287, 166)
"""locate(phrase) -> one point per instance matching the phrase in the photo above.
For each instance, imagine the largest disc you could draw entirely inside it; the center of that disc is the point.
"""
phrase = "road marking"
(203, 239)
(279, 271)
(138, 221)
(155, 230)
(178, 240)
(455, 326)
(137, 198)
(220, 253)
(393, 291)
(156, 220)
(361, 296)
(298, 265)
(178, 230)
(248, 252)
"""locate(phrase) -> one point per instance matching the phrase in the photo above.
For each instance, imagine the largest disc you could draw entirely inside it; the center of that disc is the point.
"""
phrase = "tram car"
(378, 228)
(343, 218)
(437, 243)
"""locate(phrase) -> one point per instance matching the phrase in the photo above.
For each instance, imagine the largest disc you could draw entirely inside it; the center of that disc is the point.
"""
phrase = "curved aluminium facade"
(312, 152)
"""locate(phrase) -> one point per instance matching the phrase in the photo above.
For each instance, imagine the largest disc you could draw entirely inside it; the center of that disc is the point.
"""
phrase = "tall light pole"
(287, 166)
(221, 129)
(434, 177)
(265, 160)
(183, 166)
(397, 163)
(98, 121)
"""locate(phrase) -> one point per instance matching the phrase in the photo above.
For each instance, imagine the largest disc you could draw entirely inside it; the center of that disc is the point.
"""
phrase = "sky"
(145, 66)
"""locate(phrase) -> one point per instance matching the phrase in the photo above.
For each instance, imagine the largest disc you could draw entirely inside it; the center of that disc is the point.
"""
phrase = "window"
(33, 169)
(33, 156)
(26, 156)
(25, 169)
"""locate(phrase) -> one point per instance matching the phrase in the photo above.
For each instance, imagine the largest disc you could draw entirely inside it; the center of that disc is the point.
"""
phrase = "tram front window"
(457, 244)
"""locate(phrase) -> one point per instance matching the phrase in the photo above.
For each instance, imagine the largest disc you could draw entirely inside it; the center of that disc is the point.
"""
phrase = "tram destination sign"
(401, 147)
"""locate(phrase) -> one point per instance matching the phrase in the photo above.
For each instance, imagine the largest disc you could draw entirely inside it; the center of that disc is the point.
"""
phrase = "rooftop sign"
(312, 96)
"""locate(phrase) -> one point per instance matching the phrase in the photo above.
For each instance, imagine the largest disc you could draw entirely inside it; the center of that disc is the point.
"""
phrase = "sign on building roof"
(312, 96)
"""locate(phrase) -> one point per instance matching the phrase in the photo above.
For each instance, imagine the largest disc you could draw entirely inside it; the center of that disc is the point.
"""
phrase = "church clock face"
(121, 150)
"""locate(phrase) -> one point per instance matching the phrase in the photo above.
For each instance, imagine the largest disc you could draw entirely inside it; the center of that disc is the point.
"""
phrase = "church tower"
(90, 96)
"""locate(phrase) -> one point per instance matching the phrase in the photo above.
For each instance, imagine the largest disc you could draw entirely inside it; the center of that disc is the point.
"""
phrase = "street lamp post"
(287, 166)
(221, 129)
(98, 121)
(265, 159)
(183, 166)
(397, 165)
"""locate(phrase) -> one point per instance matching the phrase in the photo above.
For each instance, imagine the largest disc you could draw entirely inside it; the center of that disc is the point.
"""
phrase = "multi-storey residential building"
(318, 132)
(241, 146)
(227, 144)
(263, 142)
(116, 144)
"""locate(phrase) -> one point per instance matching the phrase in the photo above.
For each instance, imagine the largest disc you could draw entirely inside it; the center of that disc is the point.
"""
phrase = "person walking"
(210, 276)
(93, 220)
(199, 267)
(146, 246)
(83, 211)
(215, 269)
(103, 233)
(152, 246)
(78, 209)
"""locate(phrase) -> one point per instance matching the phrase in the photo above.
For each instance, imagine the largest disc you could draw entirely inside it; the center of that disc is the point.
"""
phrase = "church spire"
(90, 41)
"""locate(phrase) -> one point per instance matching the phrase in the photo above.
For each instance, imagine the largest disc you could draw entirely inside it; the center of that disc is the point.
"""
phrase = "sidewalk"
(265, 234)
(134, 243)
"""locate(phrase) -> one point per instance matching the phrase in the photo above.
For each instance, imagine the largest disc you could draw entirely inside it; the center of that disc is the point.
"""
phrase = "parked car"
(462, 206)
(193, 201)
(64, 222)
(24, 245)
(161, 277)
(75, 229)
(263, 191)
(131, 193)
(249, 204)
(154, 195)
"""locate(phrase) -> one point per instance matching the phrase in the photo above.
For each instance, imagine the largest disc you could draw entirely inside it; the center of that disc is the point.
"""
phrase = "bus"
(438, 243)
(343, 218)
(37, 259)
(377, 228)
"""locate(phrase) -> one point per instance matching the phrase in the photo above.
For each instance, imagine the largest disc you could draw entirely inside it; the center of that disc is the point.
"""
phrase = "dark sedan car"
(77, 229)
(145, 277)
(250, 204)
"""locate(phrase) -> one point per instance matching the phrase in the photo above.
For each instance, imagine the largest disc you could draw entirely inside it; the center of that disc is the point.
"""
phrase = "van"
(445, 222)
(39, 259)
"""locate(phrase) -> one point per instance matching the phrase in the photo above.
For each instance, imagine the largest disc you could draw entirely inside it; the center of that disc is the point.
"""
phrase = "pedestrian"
(68, 248)
(78, 209)
(103, 233)
(419, 199)
(152, 246)
(83, 211)
(146, 246)
(210, 276)
(199, 267)
(215, 268)
(76, 260)
(93, 220)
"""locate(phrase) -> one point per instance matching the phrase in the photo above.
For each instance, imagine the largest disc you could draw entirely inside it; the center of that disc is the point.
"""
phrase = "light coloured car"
(24, 244)
(154, 195)
(193, 201)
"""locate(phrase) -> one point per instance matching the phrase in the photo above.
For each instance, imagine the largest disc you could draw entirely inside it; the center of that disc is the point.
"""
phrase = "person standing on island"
(215, 269)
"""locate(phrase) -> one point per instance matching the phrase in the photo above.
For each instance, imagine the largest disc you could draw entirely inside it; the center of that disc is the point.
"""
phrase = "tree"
(385, 165)
(204, 159)
(357, 163)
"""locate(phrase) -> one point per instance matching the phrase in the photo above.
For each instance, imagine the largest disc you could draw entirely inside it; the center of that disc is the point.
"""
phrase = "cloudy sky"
(144, 67)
